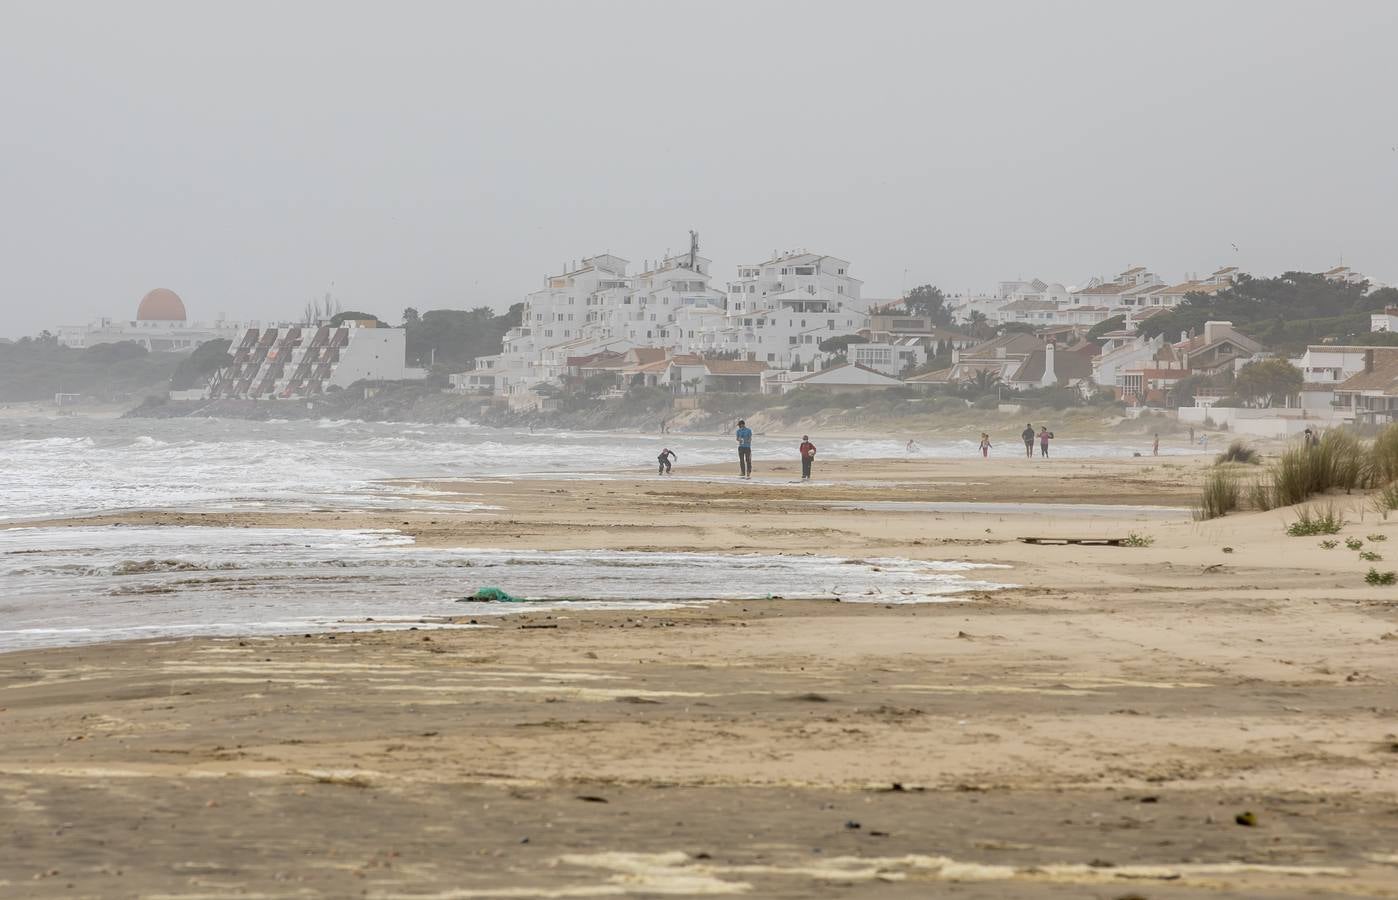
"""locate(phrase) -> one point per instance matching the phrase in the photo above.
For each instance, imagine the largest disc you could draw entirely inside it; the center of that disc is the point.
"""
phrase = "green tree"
(410, 317)
(1268, 380)
(840, 343)
(1285, 313)
(341, 317)
(1115, 323)
(194, 370)
(929, 301)
(980, 326)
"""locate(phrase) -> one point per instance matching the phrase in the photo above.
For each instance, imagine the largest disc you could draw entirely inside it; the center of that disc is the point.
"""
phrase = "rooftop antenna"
(693, 249)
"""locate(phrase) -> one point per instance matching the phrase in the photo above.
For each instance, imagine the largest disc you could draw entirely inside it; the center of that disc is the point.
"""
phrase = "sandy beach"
(1214, 714)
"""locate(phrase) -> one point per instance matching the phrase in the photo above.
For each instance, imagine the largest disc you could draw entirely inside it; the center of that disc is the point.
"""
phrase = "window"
(839, 271)
(771, 357)
(830, 323)
(840, 289)
(793, 340)
(805, 270)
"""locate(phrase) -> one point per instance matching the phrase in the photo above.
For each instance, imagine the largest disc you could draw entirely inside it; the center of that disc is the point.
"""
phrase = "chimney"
(1368, 361)
(1184, 335)
(1050, 376)
(1214, 330)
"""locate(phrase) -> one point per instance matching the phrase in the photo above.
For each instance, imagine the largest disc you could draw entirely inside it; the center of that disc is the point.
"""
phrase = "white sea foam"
(67, 466)
(75, 585)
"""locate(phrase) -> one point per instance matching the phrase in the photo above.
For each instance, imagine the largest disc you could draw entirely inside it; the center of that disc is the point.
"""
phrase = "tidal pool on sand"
(78, 585)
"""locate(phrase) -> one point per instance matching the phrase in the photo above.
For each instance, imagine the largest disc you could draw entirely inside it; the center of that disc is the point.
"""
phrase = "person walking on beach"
(985, 445)
(1310, 439)
(1044, 437)
(744, 436)
(1155, 448)
(912, 446)
(666, 456)
(808, 451)
(1028, 435)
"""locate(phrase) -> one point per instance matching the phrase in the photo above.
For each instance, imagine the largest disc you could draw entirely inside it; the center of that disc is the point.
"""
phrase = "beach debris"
(1227, 549)
(1245, 818)
(538, 626)
(631, 698)
(490, 594)
(1083, 541)
(592, 798)
(852, 825)
(812, 698)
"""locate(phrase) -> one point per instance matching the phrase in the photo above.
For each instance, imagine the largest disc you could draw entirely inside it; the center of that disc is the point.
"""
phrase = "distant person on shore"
(666, 456)
(1028, 435)
(808, 452)
(1155, 448)
(1310, 439)
(985, 445)
(912, 446)
(1044, 437)
(744, 436)
(1191, 434)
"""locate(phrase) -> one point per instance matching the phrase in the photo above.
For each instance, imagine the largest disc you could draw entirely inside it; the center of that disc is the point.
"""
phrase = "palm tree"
(983, 382)
(980, 326)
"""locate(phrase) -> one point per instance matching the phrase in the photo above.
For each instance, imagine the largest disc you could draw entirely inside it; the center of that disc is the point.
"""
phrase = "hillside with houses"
(600, 345)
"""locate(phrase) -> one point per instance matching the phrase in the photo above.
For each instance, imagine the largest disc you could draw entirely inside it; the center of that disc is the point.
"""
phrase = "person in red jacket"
(808, 452)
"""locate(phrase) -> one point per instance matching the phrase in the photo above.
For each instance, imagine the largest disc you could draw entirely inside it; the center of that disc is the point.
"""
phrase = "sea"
(96, 583)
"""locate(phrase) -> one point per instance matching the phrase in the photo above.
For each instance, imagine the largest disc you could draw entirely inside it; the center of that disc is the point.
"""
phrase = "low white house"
(1384, 321)
(847, 378)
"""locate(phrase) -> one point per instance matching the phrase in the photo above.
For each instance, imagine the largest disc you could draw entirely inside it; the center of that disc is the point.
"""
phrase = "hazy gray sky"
(249, 154)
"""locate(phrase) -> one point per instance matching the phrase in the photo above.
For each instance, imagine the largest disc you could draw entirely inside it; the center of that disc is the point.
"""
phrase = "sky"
(254, 155)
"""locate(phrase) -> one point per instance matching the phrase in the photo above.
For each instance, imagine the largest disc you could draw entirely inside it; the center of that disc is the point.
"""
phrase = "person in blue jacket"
(744, 435)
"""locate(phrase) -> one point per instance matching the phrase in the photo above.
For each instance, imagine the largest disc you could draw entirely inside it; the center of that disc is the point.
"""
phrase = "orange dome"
(161, 305)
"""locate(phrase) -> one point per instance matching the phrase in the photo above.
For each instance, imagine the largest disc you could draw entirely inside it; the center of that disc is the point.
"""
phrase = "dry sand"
(1092, 734)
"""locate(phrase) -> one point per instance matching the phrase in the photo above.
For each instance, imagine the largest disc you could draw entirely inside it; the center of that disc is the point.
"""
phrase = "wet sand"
(1095, 733)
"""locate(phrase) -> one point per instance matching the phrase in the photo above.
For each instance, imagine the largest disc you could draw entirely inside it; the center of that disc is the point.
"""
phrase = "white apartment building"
(777, 311)
(301, 361)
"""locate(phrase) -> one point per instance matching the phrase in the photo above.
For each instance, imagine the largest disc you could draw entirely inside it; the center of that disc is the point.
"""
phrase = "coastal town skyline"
(250, 169)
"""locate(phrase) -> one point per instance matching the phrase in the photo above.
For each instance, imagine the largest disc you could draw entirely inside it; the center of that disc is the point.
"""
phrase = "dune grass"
(1312, 520)
(1338, 461)
(1220, 495)
(1238, 452)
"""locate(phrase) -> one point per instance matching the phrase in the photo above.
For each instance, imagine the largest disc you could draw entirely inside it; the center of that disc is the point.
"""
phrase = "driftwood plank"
(1061, 541)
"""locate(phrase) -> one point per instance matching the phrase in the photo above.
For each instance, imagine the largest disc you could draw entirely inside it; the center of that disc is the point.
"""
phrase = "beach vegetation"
(1329, 544)
(1370, 556)
(1386, 500)
(1313, 520)
(1377, 537)
(1136, 539)
(1219, 497)
(1354, 543)
(1376, 577)
(1383, 456)
(1260, 494)
(1238, 452)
